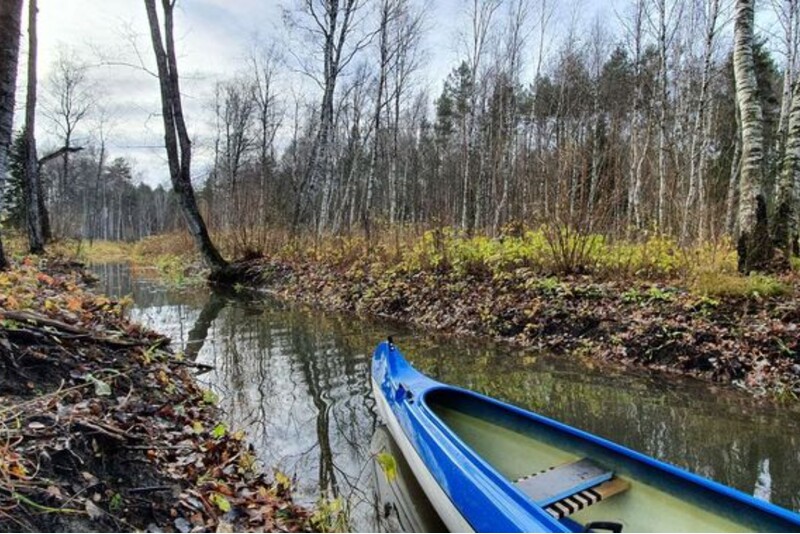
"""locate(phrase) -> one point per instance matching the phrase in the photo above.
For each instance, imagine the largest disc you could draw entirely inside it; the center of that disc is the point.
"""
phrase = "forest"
(621, 126)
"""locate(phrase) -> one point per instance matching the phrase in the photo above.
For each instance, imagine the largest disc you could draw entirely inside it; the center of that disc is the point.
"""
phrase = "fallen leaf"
(101, 389)
(388, 465)
(182, 525)
(94, 511)
(224, 526)
(219, 431)
(221, 502)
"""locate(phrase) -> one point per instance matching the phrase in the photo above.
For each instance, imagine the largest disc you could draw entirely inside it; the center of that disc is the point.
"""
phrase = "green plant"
(331, 515)
(115, 504)
(632, 295)
(657, 294)
(714, 284)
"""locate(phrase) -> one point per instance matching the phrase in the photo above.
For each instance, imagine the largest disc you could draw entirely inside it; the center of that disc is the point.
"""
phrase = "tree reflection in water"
(298, 382)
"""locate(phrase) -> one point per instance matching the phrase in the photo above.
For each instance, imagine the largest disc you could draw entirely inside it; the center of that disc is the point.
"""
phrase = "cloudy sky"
(213, 39)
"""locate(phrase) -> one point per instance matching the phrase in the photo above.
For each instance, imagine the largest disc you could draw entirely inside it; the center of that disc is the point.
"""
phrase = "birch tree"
(785, 228)
(332, 25)
(788, 15)
(481, 14)
(10, 23)
(667, 20)
(176, 136)
(388, 10)
(516, 34)
(753, 243)
(269, 113)
(699, 137)
(407, 31)
(640, 138)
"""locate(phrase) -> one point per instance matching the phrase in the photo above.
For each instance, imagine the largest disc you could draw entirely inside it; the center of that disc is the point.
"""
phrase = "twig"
(158, 447)
(200, 366)
(35, 318)
(106, 430)
(149, 489)
(44, 508)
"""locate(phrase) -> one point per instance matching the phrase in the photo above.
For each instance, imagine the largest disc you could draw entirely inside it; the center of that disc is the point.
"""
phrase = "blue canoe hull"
(471, 493)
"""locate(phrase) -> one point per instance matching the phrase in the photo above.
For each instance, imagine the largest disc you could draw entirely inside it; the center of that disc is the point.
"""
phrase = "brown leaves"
(100, 419)
(624, 323)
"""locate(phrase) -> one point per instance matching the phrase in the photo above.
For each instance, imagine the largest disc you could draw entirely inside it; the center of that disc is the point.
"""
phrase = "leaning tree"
(176, 135)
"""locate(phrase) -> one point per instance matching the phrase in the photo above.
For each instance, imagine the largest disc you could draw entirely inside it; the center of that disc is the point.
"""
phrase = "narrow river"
(298, 381)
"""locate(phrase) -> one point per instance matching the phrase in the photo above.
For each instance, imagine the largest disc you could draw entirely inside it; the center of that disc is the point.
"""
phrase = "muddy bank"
(748, 342)
(104, 427)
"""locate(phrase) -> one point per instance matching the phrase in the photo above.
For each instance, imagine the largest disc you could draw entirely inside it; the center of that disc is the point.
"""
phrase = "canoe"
(488, 466)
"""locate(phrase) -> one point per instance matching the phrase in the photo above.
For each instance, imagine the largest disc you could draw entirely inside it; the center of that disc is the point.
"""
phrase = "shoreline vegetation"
(647, 303)
(105, 428)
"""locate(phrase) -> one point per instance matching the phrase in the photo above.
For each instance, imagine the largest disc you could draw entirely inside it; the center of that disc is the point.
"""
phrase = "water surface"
(298, 381)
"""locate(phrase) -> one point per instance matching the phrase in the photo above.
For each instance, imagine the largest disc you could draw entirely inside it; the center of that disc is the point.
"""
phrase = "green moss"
(733, 285)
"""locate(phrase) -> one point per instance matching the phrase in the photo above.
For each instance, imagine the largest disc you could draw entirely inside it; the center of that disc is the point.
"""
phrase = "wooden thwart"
(562, 481)
(583, 499)
(565, 489)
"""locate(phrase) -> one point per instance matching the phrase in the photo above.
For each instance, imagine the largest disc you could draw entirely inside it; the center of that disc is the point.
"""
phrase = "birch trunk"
(376, 142)
(662, 115)
(785, 228)
(696, 156)
(637, 154)
(753, 243)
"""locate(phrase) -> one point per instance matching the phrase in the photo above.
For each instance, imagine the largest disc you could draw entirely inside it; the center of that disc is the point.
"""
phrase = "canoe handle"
(402, 392)
(603, 526)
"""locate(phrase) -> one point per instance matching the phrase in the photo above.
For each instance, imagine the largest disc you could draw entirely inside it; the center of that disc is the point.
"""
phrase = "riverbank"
(104, 427)
(751, 343)
(647, 304)
(650, 305)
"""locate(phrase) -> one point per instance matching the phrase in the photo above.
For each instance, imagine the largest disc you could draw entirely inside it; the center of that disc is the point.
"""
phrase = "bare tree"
(516, 34)
(331, 24)
(598, 52)
(665, 24)
(388, 9)
(269, 112)
(67, 102)
(481, 14)
(699, 137)
(10, 23)
(33, 188)
(176, 135)
(788, 16)
(639, 137)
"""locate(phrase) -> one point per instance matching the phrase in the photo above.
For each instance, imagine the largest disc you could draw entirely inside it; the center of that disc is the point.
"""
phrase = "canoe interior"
(657, 501)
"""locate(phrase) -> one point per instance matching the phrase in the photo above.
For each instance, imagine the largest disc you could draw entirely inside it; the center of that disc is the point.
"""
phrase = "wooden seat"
(563, 490)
